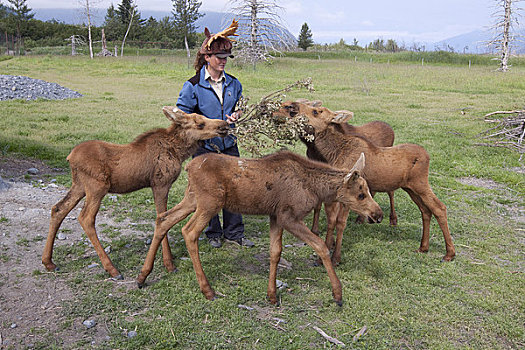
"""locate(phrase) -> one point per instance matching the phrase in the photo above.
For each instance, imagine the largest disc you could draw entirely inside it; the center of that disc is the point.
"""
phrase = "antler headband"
(230, 31)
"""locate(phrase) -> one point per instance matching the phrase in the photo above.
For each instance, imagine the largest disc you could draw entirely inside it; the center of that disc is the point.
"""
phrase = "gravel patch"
(14, 87)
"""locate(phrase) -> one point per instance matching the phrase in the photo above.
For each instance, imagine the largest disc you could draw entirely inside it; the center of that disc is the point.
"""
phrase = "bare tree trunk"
(505, 44)
(253, 34)
(88, 14)
(132, 13)
(188, 53)
(18, 38)
(73, 48)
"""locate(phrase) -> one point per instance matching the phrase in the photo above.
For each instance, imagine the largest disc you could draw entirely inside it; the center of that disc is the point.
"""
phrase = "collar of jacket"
(205, 83)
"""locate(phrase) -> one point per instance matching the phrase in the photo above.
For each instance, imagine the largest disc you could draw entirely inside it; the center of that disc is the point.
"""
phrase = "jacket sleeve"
(187, 100)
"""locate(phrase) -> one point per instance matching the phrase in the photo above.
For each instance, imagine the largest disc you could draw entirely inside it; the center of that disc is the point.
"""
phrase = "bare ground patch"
(31, 299)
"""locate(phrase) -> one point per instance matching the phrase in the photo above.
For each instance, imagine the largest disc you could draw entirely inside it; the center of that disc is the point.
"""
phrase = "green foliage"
(305, 37)
(185, 14)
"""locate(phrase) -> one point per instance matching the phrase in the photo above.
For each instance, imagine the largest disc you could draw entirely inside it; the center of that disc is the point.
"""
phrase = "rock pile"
(25, 88)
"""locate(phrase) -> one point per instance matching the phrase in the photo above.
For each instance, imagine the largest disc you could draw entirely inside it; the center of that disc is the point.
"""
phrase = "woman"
(214, 94)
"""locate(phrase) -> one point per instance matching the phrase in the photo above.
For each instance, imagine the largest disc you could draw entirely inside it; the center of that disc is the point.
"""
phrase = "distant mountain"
(212, 20)
(215, 21)
(477, 42)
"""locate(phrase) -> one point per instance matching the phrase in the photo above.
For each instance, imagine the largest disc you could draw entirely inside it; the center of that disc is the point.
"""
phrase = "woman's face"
(215, 63)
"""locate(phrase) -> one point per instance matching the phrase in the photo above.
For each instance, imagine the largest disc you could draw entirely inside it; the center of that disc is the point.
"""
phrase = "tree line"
(19, 30)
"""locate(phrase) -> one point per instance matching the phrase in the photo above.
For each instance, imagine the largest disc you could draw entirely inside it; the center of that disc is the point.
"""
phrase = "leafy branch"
(258, 129)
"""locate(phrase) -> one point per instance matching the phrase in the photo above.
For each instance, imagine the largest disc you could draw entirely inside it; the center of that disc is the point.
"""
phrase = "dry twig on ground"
(509, 132)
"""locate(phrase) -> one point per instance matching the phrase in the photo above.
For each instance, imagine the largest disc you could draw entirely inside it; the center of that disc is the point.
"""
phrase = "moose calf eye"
(201, 126)
(361, 196)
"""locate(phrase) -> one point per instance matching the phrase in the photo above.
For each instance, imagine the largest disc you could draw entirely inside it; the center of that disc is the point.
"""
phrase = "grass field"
(406, 300)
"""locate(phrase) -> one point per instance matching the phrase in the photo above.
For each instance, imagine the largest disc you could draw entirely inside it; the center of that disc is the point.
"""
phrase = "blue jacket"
(197, 96)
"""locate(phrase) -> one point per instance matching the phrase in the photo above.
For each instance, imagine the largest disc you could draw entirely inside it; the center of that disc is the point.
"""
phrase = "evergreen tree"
(125, 10)
(114, 29)
(22, 14)
(305, 37)
(185, 14)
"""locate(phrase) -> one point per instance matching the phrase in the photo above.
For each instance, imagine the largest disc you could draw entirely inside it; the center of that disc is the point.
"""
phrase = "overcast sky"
(330, 20)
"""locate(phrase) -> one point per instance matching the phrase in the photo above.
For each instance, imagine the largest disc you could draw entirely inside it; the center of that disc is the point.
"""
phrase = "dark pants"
(233, 228)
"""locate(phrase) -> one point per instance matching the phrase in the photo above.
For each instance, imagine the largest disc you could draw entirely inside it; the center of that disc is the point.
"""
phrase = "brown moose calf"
(153, 160)
(378, 132)
(283, 185)
(403, 166)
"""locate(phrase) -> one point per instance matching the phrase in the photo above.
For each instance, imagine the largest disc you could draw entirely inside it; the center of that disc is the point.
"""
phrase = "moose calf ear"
(356, 170)
(172, 112)
(342, 116)
(347, 115)
(359, 164)
(352, 176)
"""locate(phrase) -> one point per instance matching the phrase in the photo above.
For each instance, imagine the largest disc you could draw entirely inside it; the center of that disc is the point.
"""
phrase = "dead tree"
(87, 6)
(105, 51)
(260, 29)
(504, 35)
(131, 15)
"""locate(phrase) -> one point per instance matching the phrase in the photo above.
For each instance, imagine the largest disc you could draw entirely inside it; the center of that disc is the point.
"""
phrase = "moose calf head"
(197, 126)
(319, 118)
(355, 194)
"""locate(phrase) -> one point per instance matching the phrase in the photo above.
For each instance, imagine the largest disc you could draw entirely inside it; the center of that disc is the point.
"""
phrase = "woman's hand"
(232, 118)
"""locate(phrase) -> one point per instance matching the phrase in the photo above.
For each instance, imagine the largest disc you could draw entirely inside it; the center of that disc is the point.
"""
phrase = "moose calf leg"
(315, 220)
(393, 215)
(167, 257)
(160, 196)
(191, 232)
(87, 221)
(440, 212)
(158, 237)
(276, 234)
(299, 230)
(331, 210)
(58, 213)
(342, 218)
(164, 222)
(426, 215)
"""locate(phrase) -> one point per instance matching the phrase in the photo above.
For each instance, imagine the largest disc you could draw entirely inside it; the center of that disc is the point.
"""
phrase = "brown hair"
(200, 61)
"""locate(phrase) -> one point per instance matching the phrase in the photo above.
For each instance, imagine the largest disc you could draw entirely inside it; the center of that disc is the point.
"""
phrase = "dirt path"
(30, 298)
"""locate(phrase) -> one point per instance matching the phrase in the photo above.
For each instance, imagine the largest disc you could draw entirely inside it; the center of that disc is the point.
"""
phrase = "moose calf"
(378, 132)
(154, 159)
(403, 166)
(283, 185)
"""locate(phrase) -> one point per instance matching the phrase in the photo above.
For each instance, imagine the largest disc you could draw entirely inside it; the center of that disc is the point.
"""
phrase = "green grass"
(406, 300)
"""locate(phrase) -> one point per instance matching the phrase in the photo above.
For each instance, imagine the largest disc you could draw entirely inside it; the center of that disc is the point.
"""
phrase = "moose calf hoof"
(448, 258)
(141, 282)
(336, 262)
(50, 267)
(210, 295)
(339, 303)
(118, 277)
(272, 299)
(170, 267)
(421, 250)
(174, 270)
